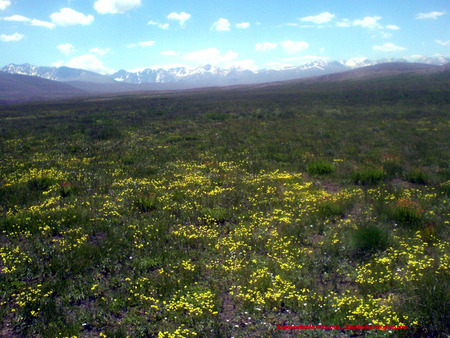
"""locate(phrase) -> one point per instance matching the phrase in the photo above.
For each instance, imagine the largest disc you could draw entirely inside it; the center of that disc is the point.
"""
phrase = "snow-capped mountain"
(208, 75)
(62, 74)
(161, 75)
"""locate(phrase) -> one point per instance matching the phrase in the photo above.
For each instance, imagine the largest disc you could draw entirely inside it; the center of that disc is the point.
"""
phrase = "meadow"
(228, 212)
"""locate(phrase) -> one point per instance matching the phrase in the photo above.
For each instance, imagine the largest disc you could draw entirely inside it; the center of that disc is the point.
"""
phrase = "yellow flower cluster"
(30, 295)
(71, 239)
(194, 303)
(142, 234)
(12, 258)
(18, 177)
(189, 231)
(406, 264)
(143, 292)
(181, 332)
(268, 291)
(377, 311)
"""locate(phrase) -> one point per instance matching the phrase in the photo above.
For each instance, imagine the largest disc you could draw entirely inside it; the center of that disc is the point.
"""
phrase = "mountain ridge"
(205, 75)
(20, 88)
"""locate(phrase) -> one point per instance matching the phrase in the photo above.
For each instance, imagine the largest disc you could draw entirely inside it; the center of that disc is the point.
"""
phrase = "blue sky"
(109, 35)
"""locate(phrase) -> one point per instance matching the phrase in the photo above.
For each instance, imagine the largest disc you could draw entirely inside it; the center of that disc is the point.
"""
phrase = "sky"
(108, 35)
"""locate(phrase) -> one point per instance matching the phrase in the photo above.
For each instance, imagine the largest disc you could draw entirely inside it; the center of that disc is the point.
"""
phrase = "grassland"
(228, 212)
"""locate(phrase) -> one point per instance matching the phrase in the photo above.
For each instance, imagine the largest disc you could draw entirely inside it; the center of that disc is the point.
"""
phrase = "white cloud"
(383, 35)
(88, 62)
(66, 48)
(160, 25)
(248, 64)
(18, 18)
(414, 58)
(243, 25)
(169, 53)
(221, 25)
(142, 44)
(344, 23)
(392, 27)
(210, 56)
(58, 64)
(115, 6)
(40, 23)
(181, 17)
(4, 4)
(265, 46)
(294, 46)
(100, 51)
(147, 43)
(388, 47)
(68, 16)
(443, 43)
(11, 38)
(305, 59)
(155, 67)
(431, 15)
(34, 22)
(319, 19)
(368, 22)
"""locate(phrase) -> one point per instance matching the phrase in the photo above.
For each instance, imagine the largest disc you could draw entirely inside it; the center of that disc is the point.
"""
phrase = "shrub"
(392, 166)
(368, 176)
(445, 188)
(215, 215)
(146, 203)
(369, 238)
(416, 176)
(67, 188)
(330, 208)
(405, 211)
(40, 184)
(320, 167)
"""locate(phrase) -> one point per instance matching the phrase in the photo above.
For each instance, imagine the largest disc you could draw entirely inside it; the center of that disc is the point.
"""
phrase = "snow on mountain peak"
(239, 73)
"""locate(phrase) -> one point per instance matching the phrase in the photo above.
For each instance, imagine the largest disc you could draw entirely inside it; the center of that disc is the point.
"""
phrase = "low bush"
(368, 176)
(320, 167)
(416, 176)
(406, 212)
(368, 238)
(146, 203)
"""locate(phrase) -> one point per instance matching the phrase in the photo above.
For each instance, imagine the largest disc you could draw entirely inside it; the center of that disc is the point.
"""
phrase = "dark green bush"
(393, 167)
(216, 214)
(369, 238)
(416, 176)
(406, 212)
(67, 189)
(330, 208)
(40, 184)
(146, 203)
(320, 167)
(368, 176)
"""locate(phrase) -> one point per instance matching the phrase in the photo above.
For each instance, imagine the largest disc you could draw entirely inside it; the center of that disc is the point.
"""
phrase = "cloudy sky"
(108, 35)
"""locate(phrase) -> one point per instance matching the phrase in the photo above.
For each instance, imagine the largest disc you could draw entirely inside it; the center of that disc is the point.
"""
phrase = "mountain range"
(206, 75)
(76, 82)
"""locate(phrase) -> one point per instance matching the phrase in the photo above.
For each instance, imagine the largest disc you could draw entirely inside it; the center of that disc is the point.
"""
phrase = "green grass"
(320, 167)
(227, 212)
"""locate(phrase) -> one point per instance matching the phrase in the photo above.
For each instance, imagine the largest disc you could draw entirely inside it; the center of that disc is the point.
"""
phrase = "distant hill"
(383, 70)
(185, 77)
(62, 74)
(18, 88)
